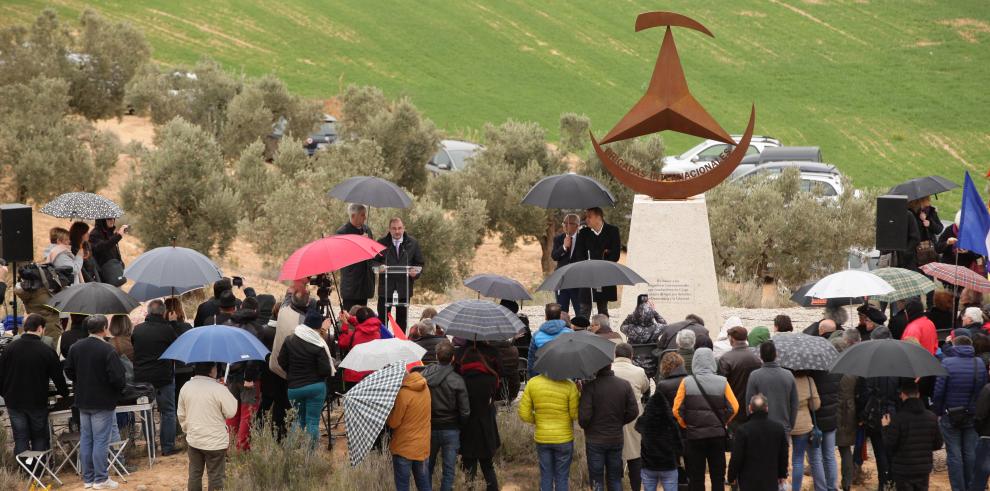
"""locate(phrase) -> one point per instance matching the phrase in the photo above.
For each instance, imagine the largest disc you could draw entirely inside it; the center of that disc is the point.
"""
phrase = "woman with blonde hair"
(177, 316)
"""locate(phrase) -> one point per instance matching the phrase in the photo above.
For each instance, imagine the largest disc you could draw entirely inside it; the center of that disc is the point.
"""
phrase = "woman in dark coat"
(644, 326)
(103, 240)
(661, 445)
(479, 435)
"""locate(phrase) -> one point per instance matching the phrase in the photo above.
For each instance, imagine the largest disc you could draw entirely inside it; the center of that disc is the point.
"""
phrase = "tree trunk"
(768, 297)
(546, 245)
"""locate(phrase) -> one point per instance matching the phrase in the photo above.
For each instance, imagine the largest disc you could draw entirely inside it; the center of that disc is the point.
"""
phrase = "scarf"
(310, 335)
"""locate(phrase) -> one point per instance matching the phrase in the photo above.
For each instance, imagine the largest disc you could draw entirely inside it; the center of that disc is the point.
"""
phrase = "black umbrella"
(93, 298)
(173, 267)
(497, 286)
(142, 292)
(574, 355)
(591, 273)
(569, 191)
(923, 186)
(478, 320)
(799, 297)
(87, 206)
(371, 191)
(888, 358)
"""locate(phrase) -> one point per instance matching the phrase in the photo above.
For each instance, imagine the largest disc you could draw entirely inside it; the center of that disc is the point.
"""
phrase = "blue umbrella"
(222, 344)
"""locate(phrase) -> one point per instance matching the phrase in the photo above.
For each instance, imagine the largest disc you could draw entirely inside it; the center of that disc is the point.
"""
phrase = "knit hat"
(249, 292)
(962, 331)
(758, 336)
(314, 319)
(580, 321)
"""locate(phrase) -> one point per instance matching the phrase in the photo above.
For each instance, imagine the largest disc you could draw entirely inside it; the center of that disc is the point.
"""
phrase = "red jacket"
(923, 330)
(353, 334)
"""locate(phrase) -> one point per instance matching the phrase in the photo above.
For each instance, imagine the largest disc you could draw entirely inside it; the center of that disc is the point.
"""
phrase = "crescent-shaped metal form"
(647, 20)
(709, 175)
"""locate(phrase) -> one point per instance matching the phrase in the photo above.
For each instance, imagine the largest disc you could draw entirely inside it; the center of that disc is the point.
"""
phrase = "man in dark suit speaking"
(563, 252)
(401, 249)
(598, 240)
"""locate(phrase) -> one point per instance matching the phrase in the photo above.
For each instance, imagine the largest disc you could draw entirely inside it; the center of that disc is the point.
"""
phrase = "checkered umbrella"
(906, 283)
(478, 320)
(87, 206)
(367, 406)
(958, 275)
(798, 351)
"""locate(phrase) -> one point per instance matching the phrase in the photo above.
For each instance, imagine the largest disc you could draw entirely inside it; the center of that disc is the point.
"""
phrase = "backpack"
(36, 276)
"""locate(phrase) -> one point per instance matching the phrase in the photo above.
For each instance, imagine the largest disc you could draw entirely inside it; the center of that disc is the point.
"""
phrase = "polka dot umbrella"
(87, 206)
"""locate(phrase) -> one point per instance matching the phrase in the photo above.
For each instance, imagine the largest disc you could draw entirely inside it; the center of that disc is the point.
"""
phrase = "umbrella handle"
(226, 373)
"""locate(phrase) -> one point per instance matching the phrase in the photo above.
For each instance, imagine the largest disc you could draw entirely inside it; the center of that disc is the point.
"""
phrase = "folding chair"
(34, 463)
(113, 459)
(68, 445)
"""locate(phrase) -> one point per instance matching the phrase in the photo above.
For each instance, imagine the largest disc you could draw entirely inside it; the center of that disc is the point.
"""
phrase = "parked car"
(778, 154)
(709, 150)
(452, 156)
(816, 177)
(325, 135)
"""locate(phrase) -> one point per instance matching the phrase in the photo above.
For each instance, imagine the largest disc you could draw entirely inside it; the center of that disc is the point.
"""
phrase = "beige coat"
(807, 397)
(636, 376)
(285, 326)
(203, 409)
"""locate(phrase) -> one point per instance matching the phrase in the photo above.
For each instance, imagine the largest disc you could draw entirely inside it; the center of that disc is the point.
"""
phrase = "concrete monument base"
(670, 245)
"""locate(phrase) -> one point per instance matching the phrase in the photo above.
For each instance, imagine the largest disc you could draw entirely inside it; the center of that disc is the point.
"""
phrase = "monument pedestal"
(670, 245)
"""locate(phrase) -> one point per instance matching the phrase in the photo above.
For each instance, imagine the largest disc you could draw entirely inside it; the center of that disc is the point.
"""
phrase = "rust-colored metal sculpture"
(669, 105)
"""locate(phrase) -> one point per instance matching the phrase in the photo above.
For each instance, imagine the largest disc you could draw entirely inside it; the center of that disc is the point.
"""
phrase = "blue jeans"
(829, 465)
(165, 395)
(568, 297)
(651, 479)
(604, 466)
(95, 428)
(308, 401)
(960, 453)
(555, 465)
(800, 445)
(30, 429)
(982, 471)
(448, 441)
(402, 467)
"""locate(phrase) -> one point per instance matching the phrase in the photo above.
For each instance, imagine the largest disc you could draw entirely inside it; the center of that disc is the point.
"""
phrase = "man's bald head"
(758, 403)
(826, 326)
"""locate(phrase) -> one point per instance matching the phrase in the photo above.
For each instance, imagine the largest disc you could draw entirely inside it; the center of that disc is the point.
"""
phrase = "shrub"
(253, 180)
(183, 191)
(574, 132)
(287, 465)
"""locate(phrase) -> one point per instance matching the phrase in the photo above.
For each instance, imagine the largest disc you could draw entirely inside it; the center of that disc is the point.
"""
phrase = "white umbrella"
(376, 354)
(849, 283)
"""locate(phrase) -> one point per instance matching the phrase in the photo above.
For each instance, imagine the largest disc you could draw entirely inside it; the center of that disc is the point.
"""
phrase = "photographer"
(357, 281)
(103, 240)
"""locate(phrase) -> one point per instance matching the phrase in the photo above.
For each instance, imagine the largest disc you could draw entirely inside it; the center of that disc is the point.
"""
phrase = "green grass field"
(889, 89)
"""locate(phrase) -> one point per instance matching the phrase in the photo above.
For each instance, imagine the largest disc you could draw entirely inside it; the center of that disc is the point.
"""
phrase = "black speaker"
(892, 222)
(16, 238)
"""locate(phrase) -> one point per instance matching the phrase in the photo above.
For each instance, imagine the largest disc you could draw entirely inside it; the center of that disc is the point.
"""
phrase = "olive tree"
(182, 191)
(574, 132)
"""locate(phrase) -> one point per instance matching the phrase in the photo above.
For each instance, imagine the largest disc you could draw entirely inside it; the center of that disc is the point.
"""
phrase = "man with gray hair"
(759, 450)
(357, 281)
(428, 339)
(601, 326)
(685, 347)
(972, 319)
(563, 252)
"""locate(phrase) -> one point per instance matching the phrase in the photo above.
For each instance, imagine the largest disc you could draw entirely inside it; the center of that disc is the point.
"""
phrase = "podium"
(395, 274)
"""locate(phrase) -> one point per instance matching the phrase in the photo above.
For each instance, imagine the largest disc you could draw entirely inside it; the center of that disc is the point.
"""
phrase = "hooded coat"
(104, 242)
(704, 417)
(449, 404)
(352, 334)
(967, 375)
(546, 333)
(661, 437)
(410, 419)
(910, 438)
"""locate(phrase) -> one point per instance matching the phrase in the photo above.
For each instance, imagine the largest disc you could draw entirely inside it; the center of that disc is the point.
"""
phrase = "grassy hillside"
(888, 89)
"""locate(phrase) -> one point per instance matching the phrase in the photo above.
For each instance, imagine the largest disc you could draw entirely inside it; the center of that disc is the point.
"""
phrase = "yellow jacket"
(553, 406)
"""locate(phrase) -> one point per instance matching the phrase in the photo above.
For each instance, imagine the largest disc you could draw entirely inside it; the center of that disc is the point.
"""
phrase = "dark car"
(325, 135)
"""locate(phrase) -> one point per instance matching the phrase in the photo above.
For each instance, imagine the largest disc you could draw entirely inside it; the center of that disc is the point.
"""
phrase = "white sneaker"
(108, 484)
(87, 485)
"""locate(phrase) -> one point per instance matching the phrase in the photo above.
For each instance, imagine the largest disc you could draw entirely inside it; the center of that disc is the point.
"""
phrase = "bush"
(769, 230)
(287, 465)
(253, 180)
(183, 192)
(252, 113)
(574, 132)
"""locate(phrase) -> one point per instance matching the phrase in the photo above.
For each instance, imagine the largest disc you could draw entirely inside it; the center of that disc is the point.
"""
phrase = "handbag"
(112, 272)
(925, 252)
(728, 436)
(815, 437)
(961, 417)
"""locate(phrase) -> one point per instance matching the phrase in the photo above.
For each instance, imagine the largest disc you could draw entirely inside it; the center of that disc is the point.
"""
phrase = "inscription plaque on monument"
(667, 292)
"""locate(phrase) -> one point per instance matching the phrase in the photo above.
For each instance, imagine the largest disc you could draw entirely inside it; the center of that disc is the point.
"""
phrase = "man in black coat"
(563, 252)
(598, 240)
(207, 311)
(357, 281)
(26, 366)
(98, 376)
(759, 450)
(401, 249)
(150, 339)
(911, 436)
(607, 404)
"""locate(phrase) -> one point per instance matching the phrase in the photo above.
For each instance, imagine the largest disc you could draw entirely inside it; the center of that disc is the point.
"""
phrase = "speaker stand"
(13, 296)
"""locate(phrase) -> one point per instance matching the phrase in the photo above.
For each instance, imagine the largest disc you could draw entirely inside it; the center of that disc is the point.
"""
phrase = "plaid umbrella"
(798, 351)
(478, 320)
(367, 406)
(87, 206)
(958, 275)
(906, 284)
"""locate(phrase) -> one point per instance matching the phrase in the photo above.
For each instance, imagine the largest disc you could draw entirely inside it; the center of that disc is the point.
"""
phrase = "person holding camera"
(401, 249)
(357, 281)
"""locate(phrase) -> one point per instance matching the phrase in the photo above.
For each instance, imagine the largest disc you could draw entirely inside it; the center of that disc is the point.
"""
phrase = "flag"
(974, 223)
(400, 334)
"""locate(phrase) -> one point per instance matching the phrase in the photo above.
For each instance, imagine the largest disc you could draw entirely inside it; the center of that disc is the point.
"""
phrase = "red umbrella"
(958, 275)
(329, 254)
